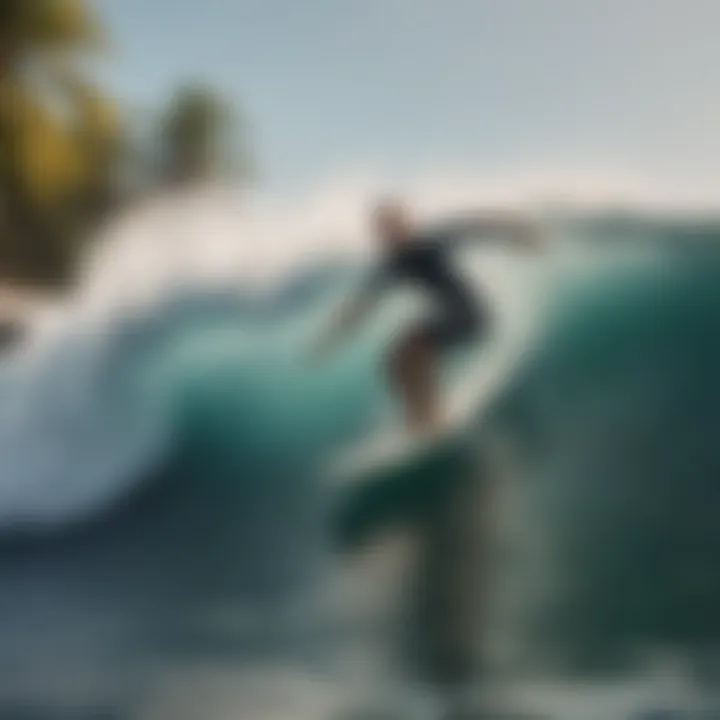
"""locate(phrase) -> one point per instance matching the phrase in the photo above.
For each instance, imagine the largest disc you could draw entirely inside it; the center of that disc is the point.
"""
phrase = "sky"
(334, 88)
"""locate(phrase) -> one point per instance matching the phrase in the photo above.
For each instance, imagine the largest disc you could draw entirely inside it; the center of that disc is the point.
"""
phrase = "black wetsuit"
(426, 261)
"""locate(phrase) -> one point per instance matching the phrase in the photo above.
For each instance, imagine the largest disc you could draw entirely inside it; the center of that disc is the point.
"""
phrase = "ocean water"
(167, 527)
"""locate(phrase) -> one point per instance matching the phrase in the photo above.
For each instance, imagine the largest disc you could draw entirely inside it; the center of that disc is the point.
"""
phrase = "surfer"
(423, 257)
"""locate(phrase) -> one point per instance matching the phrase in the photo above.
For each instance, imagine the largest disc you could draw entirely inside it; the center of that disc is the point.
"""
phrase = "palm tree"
(200, 138)
(95, 135)
(29, 28)
(44, 156)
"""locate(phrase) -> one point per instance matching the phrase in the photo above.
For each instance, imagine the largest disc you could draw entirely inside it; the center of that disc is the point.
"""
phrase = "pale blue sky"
(330, 85)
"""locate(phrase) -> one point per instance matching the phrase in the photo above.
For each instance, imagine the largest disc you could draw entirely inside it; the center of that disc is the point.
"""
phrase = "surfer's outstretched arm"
(484, 227)
(351, 314)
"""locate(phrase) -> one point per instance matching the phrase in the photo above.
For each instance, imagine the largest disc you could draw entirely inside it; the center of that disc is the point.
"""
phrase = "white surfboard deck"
(398, 445)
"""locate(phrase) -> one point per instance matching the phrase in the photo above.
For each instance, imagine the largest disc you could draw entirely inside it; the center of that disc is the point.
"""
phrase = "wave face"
(618, 411)
(159, 473)
(191, 430)
(215, 380)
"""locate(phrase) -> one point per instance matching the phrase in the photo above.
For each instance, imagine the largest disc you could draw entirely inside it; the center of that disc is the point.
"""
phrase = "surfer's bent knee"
(405, 351)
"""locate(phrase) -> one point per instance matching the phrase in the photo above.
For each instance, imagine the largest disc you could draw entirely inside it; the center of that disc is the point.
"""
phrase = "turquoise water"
(166, 464)
(618, 411)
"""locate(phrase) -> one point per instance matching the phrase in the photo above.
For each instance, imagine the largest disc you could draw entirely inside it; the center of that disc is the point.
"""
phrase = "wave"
(617, 412)
(191, 428)
(93, 408)
(214, 377)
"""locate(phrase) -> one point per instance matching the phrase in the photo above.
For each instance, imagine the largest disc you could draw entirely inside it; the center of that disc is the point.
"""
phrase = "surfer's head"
(392, 224)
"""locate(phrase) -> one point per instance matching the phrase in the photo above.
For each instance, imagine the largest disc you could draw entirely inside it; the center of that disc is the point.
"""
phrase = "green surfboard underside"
(401, 492)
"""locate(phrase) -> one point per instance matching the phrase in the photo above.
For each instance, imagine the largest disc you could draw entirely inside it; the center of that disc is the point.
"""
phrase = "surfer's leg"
(415, 363)
(412, 372)
(436, 340)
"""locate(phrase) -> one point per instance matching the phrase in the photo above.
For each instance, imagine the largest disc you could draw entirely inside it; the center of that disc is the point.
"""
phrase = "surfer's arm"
(349, 317)
(484, 227)
(351, 314)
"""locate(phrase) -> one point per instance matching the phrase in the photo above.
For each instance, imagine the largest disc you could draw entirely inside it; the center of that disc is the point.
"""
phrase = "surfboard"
(396, 446)
(392, 448)
(397, 477)
(390, 494)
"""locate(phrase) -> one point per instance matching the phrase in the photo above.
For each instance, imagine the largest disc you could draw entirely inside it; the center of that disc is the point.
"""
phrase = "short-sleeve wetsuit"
(425, 260)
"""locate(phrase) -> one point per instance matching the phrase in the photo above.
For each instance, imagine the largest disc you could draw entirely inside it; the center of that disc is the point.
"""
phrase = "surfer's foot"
(429, 429)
